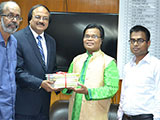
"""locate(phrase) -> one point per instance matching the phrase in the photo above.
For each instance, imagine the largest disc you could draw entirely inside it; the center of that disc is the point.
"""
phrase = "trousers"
(138, 117)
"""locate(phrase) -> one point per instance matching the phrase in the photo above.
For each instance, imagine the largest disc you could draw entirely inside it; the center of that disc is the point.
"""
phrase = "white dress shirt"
(140, 92)
(43, 42)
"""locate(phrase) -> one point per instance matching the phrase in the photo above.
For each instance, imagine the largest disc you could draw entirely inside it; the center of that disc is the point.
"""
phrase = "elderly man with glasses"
(9, 22)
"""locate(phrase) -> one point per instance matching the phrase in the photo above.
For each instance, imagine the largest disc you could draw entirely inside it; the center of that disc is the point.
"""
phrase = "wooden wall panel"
(96, 6)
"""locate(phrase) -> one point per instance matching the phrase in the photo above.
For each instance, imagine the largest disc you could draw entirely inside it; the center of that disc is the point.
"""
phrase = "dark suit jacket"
(31, 71)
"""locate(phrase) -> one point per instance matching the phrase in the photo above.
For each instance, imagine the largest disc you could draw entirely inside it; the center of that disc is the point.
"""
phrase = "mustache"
(40, 23)
(13, 24)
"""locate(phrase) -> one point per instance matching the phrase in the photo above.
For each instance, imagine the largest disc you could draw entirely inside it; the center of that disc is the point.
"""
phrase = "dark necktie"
(40, 47)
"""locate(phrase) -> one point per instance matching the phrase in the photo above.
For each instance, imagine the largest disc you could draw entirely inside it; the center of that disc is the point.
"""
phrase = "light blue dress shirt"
(8, 61)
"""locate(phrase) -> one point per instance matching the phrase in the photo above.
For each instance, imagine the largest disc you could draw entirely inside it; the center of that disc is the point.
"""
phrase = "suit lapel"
(34, 46)
(48, 48)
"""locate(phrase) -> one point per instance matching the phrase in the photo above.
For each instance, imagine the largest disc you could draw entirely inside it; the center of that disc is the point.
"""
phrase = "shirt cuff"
(89, 96)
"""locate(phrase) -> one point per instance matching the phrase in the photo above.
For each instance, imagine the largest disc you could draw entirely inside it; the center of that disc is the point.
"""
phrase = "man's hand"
(82, 90)
(47, 85)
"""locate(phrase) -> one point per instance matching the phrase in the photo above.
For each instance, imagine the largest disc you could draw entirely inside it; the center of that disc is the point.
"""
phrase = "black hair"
(139, 28)
(34, 7)
(99, 27)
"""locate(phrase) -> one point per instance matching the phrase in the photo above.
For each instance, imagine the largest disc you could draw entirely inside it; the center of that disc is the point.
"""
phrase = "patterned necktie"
(40, 47)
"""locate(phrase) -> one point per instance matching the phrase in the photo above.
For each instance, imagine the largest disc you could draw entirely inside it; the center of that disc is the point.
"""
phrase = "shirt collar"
(10, 39)
(94, 53)
(1, 38)
(35, 34)
(89, 55)
(146, 59)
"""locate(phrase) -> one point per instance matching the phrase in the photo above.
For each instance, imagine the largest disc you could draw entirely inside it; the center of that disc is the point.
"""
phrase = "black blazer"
(31, 71)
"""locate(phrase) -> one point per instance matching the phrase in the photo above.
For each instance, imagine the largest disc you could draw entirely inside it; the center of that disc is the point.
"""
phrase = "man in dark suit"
(36, 57)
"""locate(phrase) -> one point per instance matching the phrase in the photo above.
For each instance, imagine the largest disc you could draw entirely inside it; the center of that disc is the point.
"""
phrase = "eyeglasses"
(92, 36)
(43, 18)
(139, 41)
(11, 17)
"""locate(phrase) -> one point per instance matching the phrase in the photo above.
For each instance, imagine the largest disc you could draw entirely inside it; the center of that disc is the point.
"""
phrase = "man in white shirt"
(140, 94)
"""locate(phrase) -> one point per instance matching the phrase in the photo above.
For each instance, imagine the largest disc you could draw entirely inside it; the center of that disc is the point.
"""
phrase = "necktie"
(40, 47)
